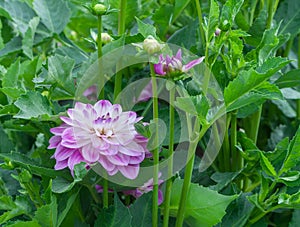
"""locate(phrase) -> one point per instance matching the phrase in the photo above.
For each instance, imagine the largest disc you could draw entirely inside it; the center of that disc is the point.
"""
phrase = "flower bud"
(99, 9)
(151, 45)
(105, 38)
(217, 32)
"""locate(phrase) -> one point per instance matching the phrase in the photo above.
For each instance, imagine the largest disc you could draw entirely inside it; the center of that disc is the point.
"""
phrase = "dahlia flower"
(173, 65)
(100, 133)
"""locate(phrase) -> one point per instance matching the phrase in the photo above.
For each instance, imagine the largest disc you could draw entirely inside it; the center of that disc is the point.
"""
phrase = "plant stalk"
(298, 101)
(199, 12)
(99, 51)
(170, 157)
(156, 150)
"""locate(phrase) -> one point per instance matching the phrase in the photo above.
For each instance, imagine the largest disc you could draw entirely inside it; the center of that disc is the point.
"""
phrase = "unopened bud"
(217, 32)
(105, 38)
(99, 9)
(151, 45)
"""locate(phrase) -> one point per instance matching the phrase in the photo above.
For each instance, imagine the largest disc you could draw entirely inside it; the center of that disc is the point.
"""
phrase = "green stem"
(272, 7)
(170, 157)
(252, 12)
(199, 12)
(288, 47)
(105, 193)
(188, 171)
(298, 101)
(254, 123)
(121, 31)
(156, 150)
(226, 147)
(99, 50)
(237, 160)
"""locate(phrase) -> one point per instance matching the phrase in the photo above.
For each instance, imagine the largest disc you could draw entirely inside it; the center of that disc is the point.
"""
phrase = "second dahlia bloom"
(173, 66)
(100, 133)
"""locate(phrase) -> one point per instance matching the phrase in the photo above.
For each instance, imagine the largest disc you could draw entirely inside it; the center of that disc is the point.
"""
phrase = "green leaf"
(267, 165)
(213, 20)
(6, 203)
(141, 211)
(32, 105)
(257, 29)
(33, 223)
(250, 79)
(162, 19)
(290, 79)
(6, 143)
(60, 73)
(289, 93)
(285, 107)
(27, 42)
(229, 12)
(10, 79)
(47, 215)
(289, 13)
(146, 29)
(204, 207)
(14, 45)
(180, 5)
(54, 14)
(223, 179)
(293, 156)
(117, 215)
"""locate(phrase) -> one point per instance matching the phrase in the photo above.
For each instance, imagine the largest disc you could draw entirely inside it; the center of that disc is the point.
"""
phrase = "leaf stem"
(254, 123)
(288, 47)
(298, 101)
(170, 157)
(226, 147)
(156, 149)
(272, 7)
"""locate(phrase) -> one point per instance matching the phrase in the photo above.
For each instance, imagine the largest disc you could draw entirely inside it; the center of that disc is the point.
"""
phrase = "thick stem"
(298, 101)
(288, 48)
(272, 7)
(105, 193)
(121, 31)
(199, 12)
(253, 126)
(236, 158)
(170, 157)
(156, 150)
(226, 147)
(99, 50)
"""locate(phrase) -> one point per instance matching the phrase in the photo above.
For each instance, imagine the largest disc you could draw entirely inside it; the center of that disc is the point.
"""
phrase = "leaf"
(141, 211)
(180, 5)
(223, 179)
(10, 79)
(257, 29)
(32, 105)
(213, 20)
(60, 72)
(229, 12)
(293, 156)
(146, 29)
(285, 107)
(33, 223)
(204, 207)
(289, 93)
(54, 14)
(47, 215)
(6, 143)
(290, 79)
(162, 19)
(267, 166)
(289, 12)
(115, 216)
(250, 79)
(27, 42)
(14, 45)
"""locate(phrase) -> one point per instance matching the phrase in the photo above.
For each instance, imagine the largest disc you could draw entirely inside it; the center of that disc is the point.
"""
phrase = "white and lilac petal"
(130, 171)
(61, 164)
(62, 153)
(54, 142)
(159, 69)
(178, 55)
(102, 107)
(106, 164)
(191, 64)
(90, 154)
(75, 159)
(119, 159)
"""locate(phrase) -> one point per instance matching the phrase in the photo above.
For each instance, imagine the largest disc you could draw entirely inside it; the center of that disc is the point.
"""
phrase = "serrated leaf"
(250, 79)
(204, 207)
(290, 79)
(267, 165)
(10, 79)
(54, 14)
(115, 216)
(289, 12)
(27, 42)
(293, 156)
(229, 12)
(32, 105)
(47, 215)
(14, 45)
(213, 20)
(146, 29)
(141, 211)
(60, 73)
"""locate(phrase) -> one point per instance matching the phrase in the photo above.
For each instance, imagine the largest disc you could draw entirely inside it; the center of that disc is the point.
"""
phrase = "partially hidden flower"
(173, 66)
(91, 93)
(151, 45)
(145, 188)
(100, 133)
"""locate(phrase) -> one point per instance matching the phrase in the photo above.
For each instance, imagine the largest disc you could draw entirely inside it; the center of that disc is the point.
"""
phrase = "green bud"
(25, 176)
(151, 45)
(105, 38)
(99, 9)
